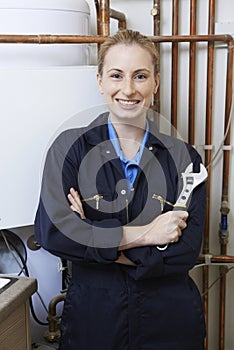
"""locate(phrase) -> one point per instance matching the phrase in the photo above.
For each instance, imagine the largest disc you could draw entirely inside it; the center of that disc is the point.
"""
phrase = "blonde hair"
(128, 37)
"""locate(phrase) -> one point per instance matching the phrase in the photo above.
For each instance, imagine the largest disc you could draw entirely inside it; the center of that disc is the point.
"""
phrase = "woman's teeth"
(127, 102)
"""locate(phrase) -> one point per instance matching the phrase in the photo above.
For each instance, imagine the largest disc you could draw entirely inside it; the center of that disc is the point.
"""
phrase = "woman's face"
(128, 81)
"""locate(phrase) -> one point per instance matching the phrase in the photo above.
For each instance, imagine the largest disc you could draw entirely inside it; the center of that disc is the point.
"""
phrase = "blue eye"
(116, 76)
(140, 76)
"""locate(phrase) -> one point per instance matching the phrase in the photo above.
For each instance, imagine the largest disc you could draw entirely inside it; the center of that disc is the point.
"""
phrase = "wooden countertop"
(16, 294)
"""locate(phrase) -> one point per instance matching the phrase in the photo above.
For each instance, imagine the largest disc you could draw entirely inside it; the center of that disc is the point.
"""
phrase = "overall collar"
(97, 134)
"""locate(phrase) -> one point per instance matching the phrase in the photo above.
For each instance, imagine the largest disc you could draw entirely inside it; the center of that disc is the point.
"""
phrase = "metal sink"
(6, 282)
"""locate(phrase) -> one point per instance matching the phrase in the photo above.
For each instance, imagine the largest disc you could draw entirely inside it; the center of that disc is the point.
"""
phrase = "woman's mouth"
(127, 102)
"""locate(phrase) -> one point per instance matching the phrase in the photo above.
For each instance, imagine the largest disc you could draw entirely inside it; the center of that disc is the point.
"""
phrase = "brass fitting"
(225, 209)
(53, 333)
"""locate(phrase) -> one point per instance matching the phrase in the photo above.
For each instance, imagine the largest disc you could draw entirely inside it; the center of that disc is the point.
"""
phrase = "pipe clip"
(208, 147)
(39, 38)
(208, 259)
(227, 147)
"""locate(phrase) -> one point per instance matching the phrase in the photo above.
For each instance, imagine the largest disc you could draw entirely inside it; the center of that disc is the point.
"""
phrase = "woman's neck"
(133, 129)
(130, 137)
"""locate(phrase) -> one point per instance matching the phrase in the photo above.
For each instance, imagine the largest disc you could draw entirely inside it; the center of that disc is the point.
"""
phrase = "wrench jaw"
(202, 176)
(190, 182)
(189, 169)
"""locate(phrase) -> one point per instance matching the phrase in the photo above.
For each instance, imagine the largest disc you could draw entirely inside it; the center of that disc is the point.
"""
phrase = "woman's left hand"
(124, 260)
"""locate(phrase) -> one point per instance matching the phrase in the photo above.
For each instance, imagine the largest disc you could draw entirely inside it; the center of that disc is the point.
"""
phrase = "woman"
(106, 205)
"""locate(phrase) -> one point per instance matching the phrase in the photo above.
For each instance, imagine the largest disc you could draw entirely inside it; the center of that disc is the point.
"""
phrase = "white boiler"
(67, 17)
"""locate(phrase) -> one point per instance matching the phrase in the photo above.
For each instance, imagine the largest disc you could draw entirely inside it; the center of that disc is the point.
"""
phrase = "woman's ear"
(157, 80)
(99, 81)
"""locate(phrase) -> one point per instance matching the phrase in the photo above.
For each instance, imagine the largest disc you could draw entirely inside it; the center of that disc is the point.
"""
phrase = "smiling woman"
(126, 83)
(100, 208)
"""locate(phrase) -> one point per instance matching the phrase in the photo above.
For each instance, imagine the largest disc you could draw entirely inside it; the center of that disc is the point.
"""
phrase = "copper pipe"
(228, 103)
(96, 2)
(222, 259)
(208, 155)
(211, 23)
(98, 39)
(120, 17)
(104, 8)
(222, 307)
(223, 249)
(54, 302)
(192, 74)
(192, 38)
(53, 333)
(174, 68)
(51, 39)
(155, 12)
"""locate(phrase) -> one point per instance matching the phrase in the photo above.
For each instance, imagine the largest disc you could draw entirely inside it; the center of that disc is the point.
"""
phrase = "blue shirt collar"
(114, 139)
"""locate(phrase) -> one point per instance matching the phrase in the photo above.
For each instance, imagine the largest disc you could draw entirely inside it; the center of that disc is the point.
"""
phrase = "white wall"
(62, 98)
(37, 104)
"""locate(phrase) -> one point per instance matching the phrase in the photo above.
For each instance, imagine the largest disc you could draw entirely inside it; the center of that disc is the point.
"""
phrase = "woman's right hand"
(75, 201)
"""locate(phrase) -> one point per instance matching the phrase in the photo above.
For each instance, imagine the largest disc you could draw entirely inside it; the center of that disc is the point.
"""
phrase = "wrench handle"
(179, 206)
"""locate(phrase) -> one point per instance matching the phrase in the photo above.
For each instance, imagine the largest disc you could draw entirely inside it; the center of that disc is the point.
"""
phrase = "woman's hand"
(124, 260)
(166, 228)
(76, 204)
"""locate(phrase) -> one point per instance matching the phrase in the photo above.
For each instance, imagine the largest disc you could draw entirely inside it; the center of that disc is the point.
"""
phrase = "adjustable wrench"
(190, 181)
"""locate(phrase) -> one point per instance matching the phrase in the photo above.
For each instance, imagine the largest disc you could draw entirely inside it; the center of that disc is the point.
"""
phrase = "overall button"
(123, 192)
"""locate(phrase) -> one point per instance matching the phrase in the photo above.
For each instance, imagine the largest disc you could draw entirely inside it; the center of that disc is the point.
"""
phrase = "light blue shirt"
(130, 167)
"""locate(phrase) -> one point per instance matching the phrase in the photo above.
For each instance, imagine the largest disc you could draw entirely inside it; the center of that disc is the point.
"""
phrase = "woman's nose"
(128, 87)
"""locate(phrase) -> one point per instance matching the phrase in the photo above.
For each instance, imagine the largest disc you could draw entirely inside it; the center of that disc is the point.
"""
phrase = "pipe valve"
(225, 209)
